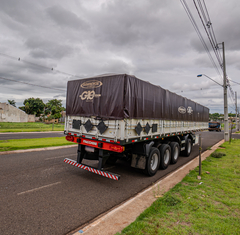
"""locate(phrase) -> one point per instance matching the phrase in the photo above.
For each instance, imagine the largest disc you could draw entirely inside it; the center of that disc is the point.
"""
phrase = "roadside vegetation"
(29, 127)
(9, 145)
(210, 205)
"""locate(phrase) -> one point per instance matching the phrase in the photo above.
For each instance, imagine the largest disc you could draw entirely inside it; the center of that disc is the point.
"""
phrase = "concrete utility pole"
(236, 122)
(226, 123)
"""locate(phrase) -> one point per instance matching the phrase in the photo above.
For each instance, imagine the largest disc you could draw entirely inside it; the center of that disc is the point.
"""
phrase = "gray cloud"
(65, 18)
(151, 39)
(43, 48)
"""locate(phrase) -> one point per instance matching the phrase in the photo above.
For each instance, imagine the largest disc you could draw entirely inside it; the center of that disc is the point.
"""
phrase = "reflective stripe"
(91, 169)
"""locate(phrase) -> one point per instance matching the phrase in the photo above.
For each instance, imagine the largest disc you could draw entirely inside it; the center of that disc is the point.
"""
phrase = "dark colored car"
(214, 126)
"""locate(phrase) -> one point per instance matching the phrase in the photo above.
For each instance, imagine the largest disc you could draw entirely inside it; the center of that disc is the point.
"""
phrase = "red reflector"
(116, 148)
(83, 136)
(75, 134)
(146, 138)
(93, 138)
(118, 142)
(112, 141)
(69, 138)
(103, 139)
(133, 140)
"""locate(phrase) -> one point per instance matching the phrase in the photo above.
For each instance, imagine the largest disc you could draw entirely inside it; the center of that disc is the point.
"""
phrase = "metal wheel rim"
(175, 156)
(166, 156)
(189, 147)
(154, 161)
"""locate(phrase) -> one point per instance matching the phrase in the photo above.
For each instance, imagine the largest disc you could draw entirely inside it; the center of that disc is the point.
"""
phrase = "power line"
(8, 79)
(210, 34)
(38, 65)
(185, 6)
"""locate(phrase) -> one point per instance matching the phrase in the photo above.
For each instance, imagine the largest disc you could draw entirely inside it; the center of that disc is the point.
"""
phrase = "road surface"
(40, 194)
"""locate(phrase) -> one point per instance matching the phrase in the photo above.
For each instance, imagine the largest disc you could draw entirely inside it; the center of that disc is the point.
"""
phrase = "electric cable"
(185, 6)
(8, 79)
(38, 65)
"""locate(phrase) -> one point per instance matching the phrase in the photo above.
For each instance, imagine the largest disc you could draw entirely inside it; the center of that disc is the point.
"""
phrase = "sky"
(49, 42)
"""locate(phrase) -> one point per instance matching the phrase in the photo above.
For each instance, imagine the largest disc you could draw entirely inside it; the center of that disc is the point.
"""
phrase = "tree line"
(218, 116)
(35, 106)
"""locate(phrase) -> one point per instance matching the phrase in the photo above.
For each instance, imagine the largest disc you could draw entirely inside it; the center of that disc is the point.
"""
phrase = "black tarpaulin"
(125, 96)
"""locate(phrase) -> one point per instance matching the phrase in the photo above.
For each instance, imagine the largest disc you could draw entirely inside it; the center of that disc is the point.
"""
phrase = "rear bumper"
(92, 169)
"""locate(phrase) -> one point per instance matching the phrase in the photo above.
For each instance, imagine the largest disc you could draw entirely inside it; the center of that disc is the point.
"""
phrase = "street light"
(226, 124)
(200, 75)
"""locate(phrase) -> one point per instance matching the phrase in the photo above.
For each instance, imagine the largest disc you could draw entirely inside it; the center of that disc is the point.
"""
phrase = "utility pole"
(238, 118)
(226, 123)
(236, 111)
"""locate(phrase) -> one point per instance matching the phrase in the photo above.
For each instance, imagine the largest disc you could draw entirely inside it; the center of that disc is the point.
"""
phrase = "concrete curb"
(36, 150)
(119, 218)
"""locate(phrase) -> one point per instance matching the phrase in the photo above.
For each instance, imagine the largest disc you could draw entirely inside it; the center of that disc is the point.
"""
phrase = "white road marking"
(39, 188)
(61, 156)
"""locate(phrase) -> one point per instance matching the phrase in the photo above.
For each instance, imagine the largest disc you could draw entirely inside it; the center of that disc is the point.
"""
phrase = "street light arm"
(200, 75)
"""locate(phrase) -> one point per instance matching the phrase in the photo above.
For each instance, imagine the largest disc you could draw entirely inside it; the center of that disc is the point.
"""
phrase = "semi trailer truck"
(119, 116)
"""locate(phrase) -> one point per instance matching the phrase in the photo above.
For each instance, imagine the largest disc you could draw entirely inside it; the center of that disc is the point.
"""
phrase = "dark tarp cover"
(122, 96)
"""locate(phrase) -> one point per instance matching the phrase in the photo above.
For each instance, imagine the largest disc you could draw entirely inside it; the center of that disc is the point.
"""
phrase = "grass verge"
(29, 127)
(207, 206)
(9, 145)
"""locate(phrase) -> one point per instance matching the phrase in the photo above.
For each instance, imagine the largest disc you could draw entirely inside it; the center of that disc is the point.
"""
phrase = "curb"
(120, 217)
(36, 150)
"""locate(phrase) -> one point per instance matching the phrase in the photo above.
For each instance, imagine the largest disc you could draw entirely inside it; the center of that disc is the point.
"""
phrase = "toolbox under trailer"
(121, 116)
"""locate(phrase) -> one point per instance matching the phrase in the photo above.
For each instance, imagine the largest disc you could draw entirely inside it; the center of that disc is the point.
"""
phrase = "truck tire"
(165, 153)
(152, 162)
(188, 148)
(175, 150)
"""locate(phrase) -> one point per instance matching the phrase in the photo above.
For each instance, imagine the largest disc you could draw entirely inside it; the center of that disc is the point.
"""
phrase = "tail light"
(69, 138)
(116, 148)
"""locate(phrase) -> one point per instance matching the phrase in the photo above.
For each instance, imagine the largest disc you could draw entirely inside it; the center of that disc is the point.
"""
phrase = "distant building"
(9, 113)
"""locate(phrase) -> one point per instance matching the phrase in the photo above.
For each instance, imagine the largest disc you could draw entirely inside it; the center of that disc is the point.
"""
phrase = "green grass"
(9, 145)
(212, 207)
(28, 127)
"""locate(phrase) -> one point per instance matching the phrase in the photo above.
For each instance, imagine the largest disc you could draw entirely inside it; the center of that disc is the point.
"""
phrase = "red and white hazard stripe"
(93, 170)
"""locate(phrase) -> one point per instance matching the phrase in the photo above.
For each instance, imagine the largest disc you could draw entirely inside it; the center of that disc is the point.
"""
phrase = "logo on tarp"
(89, 95)
(91, 84)
(189, 110)
(182, 109)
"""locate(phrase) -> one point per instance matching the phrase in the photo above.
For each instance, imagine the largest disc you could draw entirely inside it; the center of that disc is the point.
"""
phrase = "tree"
(12, 102)
(54, 107)
(33, 106)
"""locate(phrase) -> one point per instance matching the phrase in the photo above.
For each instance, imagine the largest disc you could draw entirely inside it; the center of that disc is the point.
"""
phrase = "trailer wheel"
(188, 148)
(175, 150)
(165, 152)
(152, 162)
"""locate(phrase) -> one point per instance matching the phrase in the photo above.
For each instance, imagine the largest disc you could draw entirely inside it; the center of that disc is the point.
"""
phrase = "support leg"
(103, 156)
(80, 153)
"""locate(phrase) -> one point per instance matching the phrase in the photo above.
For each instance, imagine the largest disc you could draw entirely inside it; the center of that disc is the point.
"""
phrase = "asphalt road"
(29, 135)
(40, 194)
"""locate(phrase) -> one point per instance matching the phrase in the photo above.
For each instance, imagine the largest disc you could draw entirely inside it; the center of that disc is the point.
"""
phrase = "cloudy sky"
(151, 39)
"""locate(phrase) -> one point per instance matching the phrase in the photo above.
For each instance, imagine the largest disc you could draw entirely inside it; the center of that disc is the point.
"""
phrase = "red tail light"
(116, 148)
(69, 138)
